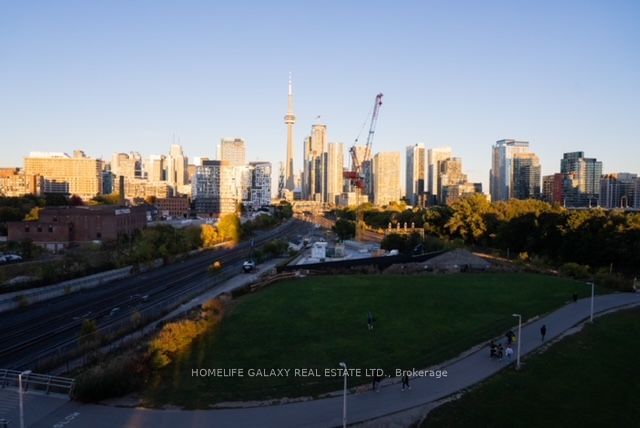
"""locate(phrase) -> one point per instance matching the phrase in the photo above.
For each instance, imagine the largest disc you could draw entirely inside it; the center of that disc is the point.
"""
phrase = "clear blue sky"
(127, 75)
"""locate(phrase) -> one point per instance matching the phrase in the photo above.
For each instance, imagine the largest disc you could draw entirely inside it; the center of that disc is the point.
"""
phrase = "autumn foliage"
(176, 337)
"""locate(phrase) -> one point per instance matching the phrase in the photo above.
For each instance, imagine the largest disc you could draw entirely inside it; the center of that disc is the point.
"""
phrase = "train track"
(25, 341)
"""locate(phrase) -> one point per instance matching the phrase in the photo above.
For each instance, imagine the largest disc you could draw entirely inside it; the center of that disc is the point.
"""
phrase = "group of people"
(498, 351)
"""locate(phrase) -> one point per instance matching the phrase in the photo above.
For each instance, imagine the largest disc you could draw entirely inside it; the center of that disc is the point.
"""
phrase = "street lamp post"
(344, 396)
(24, 373)
(592, 284)
(519, 339)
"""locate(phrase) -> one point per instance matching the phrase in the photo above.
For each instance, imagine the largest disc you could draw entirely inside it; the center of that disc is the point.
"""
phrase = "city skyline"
(95, 88)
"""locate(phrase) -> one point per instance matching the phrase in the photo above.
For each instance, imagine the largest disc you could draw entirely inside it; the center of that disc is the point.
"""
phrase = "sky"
(119, 76)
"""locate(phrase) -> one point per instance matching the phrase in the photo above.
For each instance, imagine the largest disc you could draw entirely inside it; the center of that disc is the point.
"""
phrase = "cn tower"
(289, 120)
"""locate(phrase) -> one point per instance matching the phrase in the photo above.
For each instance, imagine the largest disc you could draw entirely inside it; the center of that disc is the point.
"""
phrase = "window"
(26, 229)
(50, 229)
(99, 235)
(39, 228)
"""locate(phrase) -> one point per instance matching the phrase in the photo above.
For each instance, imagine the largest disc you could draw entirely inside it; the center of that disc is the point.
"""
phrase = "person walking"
(370, 321)
(543, 331)
(492, 349)
(575, 297)
(500, 351)
(376, 382)
(405, 380)
(510, 335)
(508, 352)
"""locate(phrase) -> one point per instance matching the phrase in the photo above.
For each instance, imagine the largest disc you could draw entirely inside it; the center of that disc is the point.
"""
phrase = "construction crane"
(360, 174)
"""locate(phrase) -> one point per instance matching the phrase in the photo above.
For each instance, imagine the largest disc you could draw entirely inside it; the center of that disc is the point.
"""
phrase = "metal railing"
(37, 382)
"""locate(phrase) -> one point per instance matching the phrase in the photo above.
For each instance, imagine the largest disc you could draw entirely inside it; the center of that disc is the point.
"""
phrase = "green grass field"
(319, 321)
(591, 379)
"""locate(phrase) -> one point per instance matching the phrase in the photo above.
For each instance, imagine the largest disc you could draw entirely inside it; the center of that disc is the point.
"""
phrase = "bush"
(113, 377)
(431, 243)
(345, 229)
(575, 270)
(613, 281)
(177, 336)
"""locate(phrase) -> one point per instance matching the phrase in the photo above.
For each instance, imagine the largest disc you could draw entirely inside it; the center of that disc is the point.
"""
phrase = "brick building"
(59, 227)
(175, 207)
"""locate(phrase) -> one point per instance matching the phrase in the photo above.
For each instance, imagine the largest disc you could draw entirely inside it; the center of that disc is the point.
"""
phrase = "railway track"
(24, 342)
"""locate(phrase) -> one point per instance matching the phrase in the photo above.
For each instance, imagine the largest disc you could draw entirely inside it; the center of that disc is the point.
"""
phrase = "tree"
(209, 235)
(345, 229)
(55, 199)
(33, 215)
(394, 241)
(111, 199)
(435, 220)
(76, 201)
(229, 227)
(467, 219)
(284, 210)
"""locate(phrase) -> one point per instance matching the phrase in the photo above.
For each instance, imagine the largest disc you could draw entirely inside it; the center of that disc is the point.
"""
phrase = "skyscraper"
(289, 120)
(213, 189)
(386, 178)
(124, 165)
(525, 180)
(155, 168)
(618, 190)
(414, 186)
(314, 146)
(582, 179)
(334, 172)
(502, 168)
(177, 165)
(434, 157)
(260, 184)
(233, 150)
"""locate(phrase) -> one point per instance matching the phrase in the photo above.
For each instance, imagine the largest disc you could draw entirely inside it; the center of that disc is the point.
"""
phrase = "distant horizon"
(134, 76)
(275, 167)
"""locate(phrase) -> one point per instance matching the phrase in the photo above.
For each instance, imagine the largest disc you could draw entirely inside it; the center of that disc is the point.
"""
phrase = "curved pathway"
(474, 366)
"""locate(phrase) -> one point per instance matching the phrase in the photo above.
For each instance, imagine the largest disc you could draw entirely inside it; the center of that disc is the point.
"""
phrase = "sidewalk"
(462, 373)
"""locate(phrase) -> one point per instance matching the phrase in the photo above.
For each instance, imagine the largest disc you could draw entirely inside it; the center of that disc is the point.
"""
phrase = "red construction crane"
(360, 174)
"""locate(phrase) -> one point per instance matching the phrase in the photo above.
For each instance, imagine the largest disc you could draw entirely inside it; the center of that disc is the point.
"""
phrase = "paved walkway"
(462, 373)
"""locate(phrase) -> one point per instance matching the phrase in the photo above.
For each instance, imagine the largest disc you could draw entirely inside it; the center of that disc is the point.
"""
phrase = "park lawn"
(317, 322)
(591, 379)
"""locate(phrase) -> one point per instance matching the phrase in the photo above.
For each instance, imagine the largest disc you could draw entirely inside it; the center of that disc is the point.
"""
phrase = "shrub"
(115, 376)
(613, 281)
(432, 243)
(178, 336)
(575, 270)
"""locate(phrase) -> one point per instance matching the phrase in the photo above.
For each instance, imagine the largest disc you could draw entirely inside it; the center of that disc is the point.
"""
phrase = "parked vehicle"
(10, 258)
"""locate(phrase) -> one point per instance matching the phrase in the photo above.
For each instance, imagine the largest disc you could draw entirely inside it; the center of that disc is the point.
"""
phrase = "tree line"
(528, 228)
